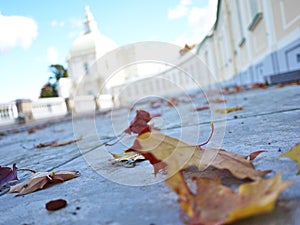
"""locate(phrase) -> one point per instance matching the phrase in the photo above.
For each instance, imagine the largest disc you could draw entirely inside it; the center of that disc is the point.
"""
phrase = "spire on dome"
(89, 22)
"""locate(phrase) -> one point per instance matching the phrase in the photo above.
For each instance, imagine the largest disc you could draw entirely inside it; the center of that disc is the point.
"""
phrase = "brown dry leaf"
(31, 131)
(139, 123)
(57, 144)
(216, 101)
(186, 49)
(173, 102)
(294, 154)
(40, 179)
(165, 152)
(216, 204)
(200, 108)
(228, 110)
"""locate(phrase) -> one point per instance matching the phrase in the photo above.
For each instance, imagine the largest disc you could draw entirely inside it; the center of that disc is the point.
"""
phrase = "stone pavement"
(110, 194)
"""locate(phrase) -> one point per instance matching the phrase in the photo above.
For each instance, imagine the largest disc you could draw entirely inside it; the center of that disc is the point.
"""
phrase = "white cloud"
(76, 23)
(17, 31)
(200, 21)
(55, 23)
(77, 27)
(52, 54)
(180, 10)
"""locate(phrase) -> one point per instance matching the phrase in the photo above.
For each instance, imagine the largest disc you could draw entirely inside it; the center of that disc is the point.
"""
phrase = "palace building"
(251, 41)
(85, 50)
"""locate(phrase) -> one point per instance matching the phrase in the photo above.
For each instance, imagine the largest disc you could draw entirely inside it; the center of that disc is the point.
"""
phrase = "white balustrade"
(49, 107)
(84, 104)
(46, 108)
(8, 113)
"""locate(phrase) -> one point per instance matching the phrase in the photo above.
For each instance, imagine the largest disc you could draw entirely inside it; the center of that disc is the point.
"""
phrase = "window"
(86, 68)
(240, 22)
(255, 14)
(253, 7)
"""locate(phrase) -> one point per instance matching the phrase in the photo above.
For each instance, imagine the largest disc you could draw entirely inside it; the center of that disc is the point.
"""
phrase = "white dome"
(92, 42)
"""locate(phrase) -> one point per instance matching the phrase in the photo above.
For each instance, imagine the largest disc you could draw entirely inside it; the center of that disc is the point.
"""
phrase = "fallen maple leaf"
(228, 110)
(226, 206)
(173, 102)
(56, 144)
(186, 49)
(294, 154)
(31, 131)
(139, 123)
(7, 174)
(216, 101)
(201, 108)
(259, 85)
(165, 152)
(40, 179)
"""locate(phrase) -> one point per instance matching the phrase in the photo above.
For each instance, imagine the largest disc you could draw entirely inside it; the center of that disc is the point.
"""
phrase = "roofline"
(214, 27)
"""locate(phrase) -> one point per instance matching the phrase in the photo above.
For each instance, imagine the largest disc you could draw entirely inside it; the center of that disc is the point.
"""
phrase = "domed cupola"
(92, 41)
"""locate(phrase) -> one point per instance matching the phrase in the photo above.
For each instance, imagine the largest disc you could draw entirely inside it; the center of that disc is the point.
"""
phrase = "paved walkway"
(110, 194)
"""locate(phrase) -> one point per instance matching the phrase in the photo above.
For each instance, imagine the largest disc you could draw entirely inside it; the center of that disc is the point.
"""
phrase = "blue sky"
(35, 34)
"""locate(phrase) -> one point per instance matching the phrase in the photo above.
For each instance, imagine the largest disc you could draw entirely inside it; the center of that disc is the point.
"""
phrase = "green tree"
(49, 89)
(58, 71)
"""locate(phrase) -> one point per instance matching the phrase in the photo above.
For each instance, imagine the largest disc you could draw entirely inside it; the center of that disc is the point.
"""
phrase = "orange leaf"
(228, 110)
(215, 204)
(139, 123)
(216, 101)
(56, 144)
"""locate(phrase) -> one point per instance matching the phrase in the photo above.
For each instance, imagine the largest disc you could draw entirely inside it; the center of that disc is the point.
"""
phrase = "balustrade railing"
(24, 110)
(8, 113)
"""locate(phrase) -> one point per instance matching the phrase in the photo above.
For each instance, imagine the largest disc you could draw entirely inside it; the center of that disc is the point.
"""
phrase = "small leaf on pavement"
(7, 174)
(40, 179)
(139, 123)
(228, 110)
(294, 154)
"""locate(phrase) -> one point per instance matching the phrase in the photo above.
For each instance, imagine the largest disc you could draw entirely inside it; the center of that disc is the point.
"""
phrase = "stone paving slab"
(270, 121)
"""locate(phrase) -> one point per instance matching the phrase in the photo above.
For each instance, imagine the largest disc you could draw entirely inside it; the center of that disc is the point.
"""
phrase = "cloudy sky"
(35, 34)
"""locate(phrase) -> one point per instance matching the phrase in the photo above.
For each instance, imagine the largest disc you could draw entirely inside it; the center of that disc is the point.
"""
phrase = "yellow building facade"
(252, 41)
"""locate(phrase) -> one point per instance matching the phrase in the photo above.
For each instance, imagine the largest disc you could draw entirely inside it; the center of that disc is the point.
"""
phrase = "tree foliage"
(50, 88)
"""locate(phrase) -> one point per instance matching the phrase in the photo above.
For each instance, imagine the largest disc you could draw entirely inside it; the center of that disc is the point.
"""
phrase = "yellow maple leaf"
(228, 110)
(294, 154)
(226, 206)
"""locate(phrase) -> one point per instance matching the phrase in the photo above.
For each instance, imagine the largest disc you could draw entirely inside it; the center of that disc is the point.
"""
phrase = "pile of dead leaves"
(213, 202)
